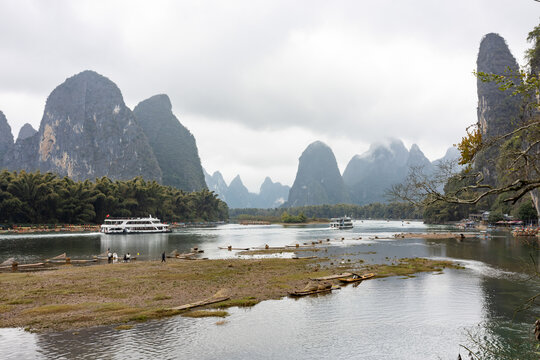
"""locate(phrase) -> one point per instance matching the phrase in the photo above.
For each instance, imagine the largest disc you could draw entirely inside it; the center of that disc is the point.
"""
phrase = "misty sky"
(257, 81)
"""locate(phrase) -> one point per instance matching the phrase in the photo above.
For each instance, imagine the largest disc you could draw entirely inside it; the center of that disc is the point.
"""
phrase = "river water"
(425, 317)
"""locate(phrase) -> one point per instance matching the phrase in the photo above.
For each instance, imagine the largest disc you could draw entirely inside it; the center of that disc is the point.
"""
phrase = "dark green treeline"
(36, 198)
(372, 211)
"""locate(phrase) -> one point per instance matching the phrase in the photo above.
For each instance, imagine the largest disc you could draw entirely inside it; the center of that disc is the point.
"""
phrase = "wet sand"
(75, 297)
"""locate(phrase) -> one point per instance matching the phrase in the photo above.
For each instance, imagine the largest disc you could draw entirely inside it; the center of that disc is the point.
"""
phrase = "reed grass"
(205, 313)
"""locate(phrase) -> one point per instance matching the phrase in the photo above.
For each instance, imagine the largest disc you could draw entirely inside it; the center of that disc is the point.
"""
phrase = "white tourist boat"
(133, 225)
(344, 222)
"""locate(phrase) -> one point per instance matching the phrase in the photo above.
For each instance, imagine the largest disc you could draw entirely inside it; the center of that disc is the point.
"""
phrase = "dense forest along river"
(424, 317)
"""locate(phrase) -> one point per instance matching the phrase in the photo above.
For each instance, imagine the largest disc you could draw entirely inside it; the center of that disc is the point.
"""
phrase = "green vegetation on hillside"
(293, 219)
(38, 198)
(395, 210)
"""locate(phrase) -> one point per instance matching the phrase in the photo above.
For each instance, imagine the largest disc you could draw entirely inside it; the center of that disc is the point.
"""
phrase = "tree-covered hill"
(45, 198)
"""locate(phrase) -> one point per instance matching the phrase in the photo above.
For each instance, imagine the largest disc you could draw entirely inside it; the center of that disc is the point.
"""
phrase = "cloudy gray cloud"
(280, 73)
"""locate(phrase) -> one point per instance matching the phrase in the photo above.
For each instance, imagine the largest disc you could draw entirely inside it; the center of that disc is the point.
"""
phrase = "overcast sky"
(257, 81)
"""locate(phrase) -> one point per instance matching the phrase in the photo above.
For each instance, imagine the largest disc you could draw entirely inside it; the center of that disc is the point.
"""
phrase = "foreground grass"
(76, 297)
(206, 313)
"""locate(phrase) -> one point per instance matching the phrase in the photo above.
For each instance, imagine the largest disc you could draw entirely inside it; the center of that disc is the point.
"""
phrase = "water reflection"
(417, 318)
(380, 319)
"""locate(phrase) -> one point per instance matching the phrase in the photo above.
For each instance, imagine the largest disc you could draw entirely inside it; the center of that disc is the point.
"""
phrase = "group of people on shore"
(113, 257)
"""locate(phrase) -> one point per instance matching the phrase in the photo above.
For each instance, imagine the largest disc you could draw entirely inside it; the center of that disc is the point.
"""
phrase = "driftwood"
(217, 297)
(15, 266)
(318, 291)
(8, 262)
(332, 277)
(83, 261)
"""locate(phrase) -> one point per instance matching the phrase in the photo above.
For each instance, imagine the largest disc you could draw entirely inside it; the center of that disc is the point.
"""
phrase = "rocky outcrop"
(271, 194)
(498, 111)
(87, 131)
(172, 143)
(6, 137)
(26, 131)
(318, 180)
(417, 159)
(238, 195)
(217, 184)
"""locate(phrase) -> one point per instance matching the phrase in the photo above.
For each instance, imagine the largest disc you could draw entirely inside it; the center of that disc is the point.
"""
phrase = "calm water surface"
(425, 317)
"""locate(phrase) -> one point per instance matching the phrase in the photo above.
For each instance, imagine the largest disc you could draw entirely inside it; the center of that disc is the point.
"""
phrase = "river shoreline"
(75, 297)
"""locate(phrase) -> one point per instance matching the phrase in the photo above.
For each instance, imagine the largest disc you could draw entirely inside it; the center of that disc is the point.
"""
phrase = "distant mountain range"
(318, 180)
(236, 195)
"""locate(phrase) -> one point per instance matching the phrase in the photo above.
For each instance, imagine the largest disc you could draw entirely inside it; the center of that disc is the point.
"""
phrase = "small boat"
(344, 222)
(133, 225)
(356, 278)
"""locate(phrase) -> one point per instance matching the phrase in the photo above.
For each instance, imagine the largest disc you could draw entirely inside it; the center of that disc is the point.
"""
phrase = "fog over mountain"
(236, 195)
(318, 181)
(369, 175)
(276, 74)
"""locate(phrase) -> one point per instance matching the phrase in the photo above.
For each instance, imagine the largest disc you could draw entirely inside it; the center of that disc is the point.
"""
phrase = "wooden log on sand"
(15, 266)
(8, 262)
(217, 297)
(332, 277)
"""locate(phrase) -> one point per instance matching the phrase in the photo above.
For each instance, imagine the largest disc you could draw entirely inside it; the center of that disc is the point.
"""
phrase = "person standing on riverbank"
(163, 257)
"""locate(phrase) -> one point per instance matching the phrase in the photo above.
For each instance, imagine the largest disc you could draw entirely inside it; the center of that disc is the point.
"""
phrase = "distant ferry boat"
(133, 226)
(344, 222)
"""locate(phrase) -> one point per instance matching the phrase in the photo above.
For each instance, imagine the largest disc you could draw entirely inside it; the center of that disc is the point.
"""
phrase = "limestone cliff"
(498, 111)
(217, 184)
(318, 180)
(238, 195)
(271, 194)
(26, 131)
(6, 137)
(172, 143)
(87, 131)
